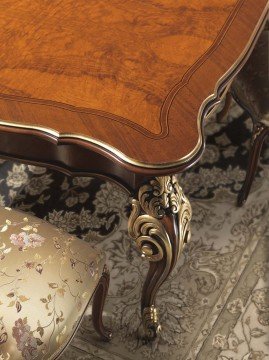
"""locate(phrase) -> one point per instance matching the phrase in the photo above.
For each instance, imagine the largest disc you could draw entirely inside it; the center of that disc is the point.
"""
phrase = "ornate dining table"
(122, 90)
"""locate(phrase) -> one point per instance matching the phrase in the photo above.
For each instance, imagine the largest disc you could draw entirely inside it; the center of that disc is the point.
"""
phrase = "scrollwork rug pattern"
(216, 302)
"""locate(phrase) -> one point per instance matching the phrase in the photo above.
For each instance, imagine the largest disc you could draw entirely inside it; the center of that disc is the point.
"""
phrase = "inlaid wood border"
(133, 165)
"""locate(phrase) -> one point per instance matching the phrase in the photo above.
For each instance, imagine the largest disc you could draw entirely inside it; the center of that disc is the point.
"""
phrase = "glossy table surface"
(133, 78)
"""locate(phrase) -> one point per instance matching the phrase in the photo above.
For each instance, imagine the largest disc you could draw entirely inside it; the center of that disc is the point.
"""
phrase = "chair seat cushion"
(47, 279)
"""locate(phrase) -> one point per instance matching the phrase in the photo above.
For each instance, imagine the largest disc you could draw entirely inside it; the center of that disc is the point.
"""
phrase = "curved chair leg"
(98, 306)
(160, 225)
(260, 132)
(228, 100)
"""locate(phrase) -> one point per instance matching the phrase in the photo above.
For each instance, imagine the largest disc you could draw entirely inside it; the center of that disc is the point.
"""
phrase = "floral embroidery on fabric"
(24, 240)
(53, 279)
(26, 342)
(3, 332)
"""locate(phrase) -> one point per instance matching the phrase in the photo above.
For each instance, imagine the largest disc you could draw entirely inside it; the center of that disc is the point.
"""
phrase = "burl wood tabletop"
(134, 77)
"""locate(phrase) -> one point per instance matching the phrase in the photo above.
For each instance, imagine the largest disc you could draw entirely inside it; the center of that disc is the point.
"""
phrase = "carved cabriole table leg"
(160, 225)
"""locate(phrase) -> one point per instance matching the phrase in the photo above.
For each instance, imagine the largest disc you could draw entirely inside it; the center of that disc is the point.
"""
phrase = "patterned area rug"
(216, 302)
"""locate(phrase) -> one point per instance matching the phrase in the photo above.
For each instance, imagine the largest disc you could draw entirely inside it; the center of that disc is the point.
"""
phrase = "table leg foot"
(160, 225)
(151, 322)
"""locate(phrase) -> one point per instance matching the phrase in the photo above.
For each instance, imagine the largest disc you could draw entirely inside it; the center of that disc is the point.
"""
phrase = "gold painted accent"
(258, 129)
(151, 322)
(148, 231)
(146, 251)
(162, 197)
(236, 67)
(162, 194)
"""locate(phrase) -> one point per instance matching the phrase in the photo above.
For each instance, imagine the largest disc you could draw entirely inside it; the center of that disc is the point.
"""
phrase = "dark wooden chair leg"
(260, 132)
(228, 100)
(98, 306)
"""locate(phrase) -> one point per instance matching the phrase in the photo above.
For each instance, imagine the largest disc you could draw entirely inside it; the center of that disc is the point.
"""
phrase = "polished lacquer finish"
(121, 88)
(131, 80)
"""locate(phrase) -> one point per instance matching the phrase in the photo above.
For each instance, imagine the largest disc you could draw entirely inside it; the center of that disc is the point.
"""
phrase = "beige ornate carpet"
(216, 302)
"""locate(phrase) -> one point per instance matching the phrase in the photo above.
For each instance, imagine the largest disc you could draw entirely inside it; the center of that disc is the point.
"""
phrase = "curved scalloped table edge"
(113, 154)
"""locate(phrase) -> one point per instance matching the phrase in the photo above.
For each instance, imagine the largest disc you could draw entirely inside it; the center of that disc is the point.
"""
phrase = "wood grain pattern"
(130, 74)
(121, 57)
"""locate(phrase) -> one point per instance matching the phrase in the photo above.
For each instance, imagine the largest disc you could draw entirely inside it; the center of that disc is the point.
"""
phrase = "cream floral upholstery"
(47, 279)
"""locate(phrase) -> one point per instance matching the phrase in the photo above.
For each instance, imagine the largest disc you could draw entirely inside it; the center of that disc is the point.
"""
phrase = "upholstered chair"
(47, 280)
(250, 89)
